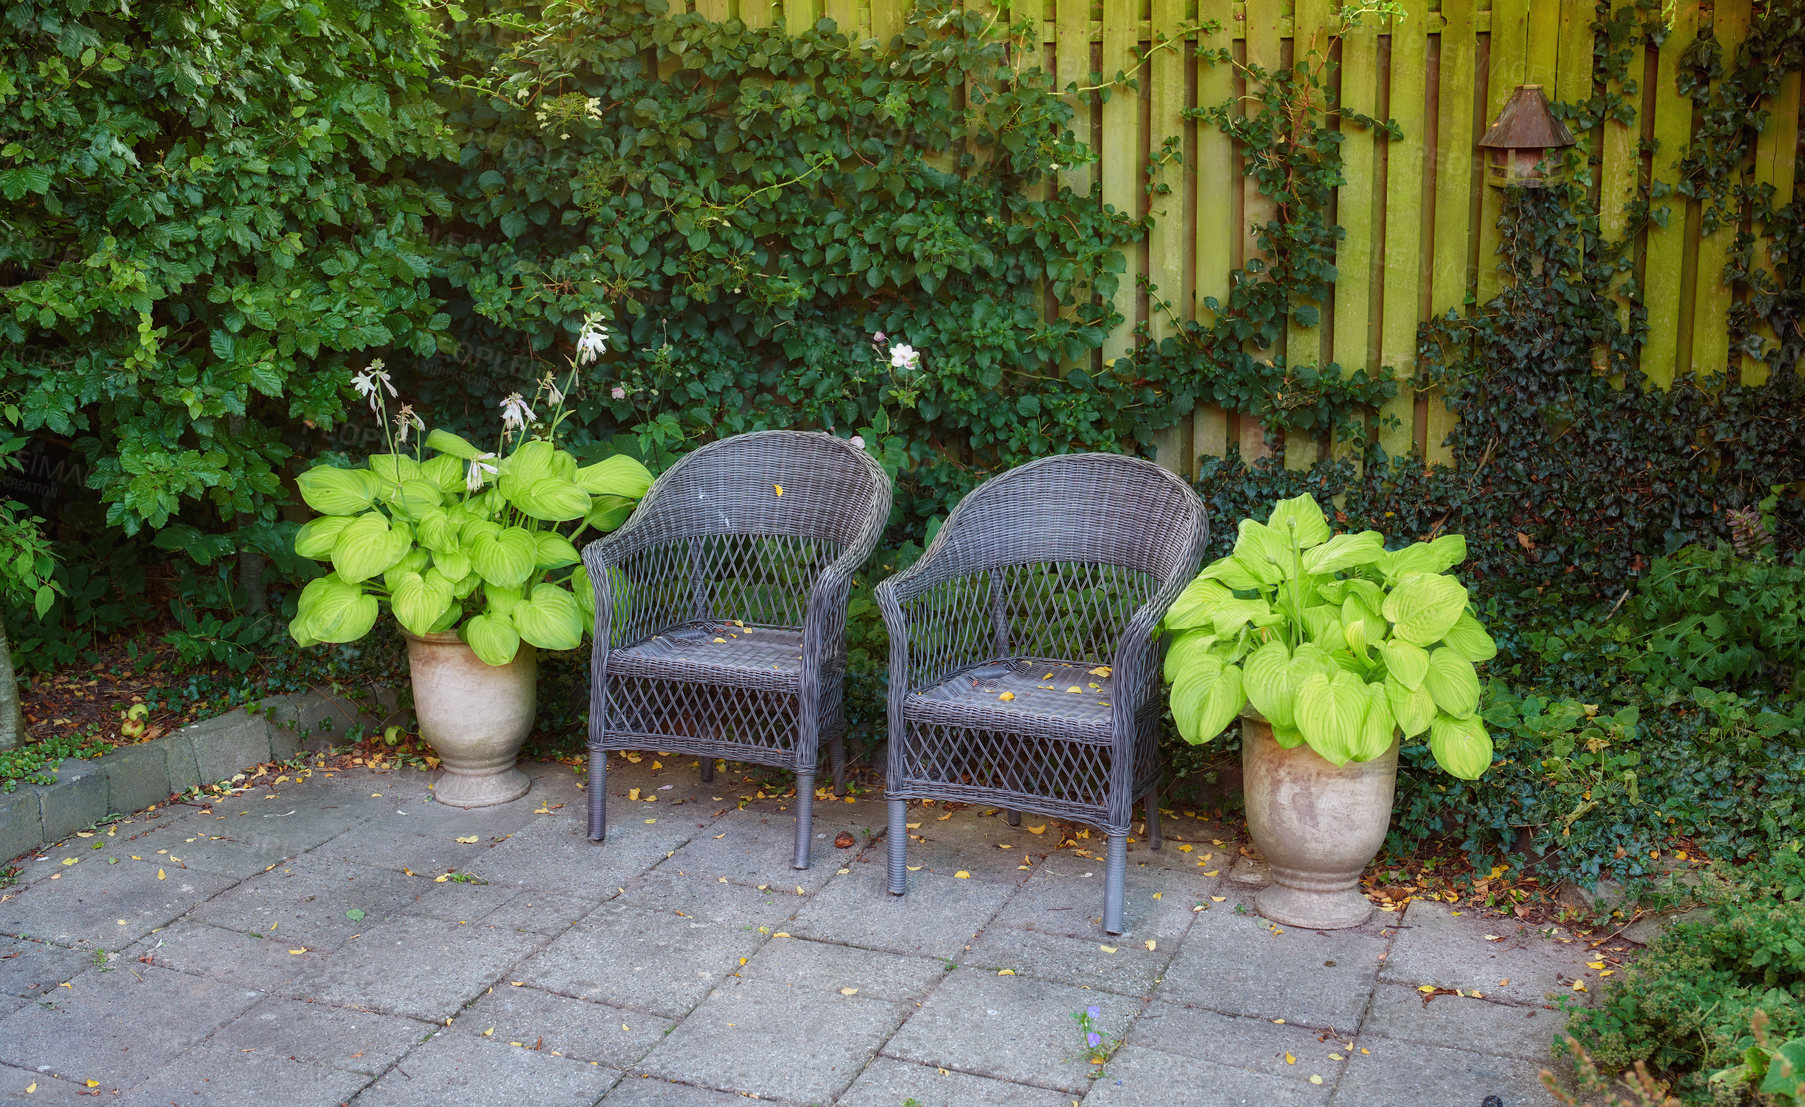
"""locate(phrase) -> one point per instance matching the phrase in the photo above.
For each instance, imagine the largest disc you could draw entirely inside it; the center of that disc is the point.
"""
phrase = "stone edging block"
(132, 778)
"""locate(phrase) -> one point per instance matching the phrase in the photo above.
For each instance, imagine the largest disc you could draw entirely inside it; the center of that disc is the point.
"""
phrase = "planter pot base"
(1313, 910)
(480, 790)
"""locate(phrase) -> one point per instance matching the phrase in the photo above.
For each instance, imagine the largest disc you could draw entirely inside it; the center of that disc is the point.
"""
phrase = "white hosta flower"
(473, 477)
(515, 415)
(593, 342)
(406, 422)
(371, 381)
(904, 356)
(552, 394)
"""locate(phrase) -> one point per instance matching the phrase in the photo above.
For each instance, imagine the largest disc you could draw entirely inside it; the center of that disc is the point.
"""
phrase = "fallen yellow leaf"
(1074, 688)
(303, 949)
(467, 841)
(1107, 949)
(1425, 987)
(441, 878)
(1315, 1079)
(779, 488)
(1218, 899)
(71, 860)
(1184, 849)
(1579, 985)
(914, 868)
(92, 1083)
(1005, 972)
(632, 793)
(489, 1033)
(159, 874)
(1152, 945)
(1037, 829)
(1290, 1060)
(31, 1087)
(849, 991)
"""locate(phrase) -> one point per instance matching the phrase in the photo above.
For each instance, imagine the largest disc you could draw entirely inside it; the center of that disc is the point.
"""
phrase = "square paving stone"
(422, 968)
(46, 1089)
(541, 912)
(1065, 896)
(638, 959)
(556, 855)
(758, 848)
(642, 1091)
(1436, 947)
(1009, 1028)
(575, 1028)
(355, 1041)
(31, 968)
(231, 955)
(456, 1068)
(460, 902)
(696, 896)
(1513, 1030)
(1131, 970)
(773, 1041)
(828, 967)
(1140, 1077)
(215, 1075)
(118, 1027)
(1258, 1045)
(1244, 965)
(85, 908)
(887, 1082)
(1394, 1072)
(946, 842)
(937, 918)
(392, 842)
(194, 847)
(308, 898)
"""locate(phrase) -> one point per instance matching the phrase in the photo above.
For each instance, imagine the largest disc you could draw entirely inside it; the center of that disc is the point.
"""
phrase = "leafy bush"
(1685, 1008)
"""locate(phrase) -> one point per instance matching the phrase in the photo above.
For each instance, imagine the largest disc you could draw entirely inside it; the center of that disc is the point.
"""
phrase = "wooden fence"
(1421, 223)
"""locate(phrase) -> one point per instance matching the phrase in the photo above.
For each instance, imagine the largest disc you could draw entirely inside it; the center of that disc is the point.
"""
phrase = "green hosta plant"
(480, 542)
(1337, 641)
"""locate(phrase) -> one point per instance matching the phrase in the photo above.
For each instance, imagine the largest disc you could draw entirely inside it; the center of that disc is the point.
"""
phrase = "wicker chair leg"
(1154, 841)
(899, 845)
(805, 817)
(1115, 879)
(836, 751)
(598, 794)
(707, 769)
(1015, 818)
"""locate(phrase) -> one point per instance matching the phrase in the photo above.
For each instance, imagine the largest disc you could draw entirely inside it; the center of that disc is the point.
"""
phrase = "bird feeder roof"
(1526, 123)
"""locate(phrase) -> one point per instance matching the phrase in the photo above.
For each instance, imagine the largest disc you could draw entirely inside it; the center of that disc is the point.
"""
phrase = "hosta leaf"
(501, 601)
(1301, 521)
(584, 590)
(505, 558)
(1339, 589)
(555, 550)
(445, 472)
(549, 498)
(1195, 605)
(368, 545)
(1413, 709)
(1424, 557)
(1468, 639)
(1266, 678)
(413, 497)
(1232, 615)
(1461, 746)
(317, 537)
(1231, 573)
(455, 564)
(1323, 624)
(1186, 650)
(533, 461)
(607, 513)
(1263, 552)
(1406, 662)
(392, 469)
(413, 561)
(420, 600)
(332, 491)
(1452, 683)
(1205, 700)
(1330, 713)
(550, 619)
(615, 476)
(1344, 551)
(332, 609)
(492, 638)
(447, 443)
(1380, 727)
(1424, 607)
(1287, 737)
(437, 531)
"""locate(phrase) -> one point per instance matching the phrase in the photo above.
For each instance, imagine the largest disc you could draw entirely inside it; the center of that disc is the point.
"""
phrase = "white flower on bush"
(904, 356)
(371, 381)
(473, 477)
(515, 415)
(618, 392)
(858, 442)
(593, 342)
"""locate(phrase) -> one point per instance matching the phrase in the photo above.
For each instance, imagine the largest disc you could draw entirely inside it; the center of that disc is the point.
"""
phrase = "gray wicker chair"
(721, 610)
(1024, 671)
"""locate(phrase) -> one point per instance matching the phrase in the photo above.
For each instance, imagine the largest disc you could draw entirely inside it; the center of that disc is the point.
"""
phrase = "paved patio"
(307, 943)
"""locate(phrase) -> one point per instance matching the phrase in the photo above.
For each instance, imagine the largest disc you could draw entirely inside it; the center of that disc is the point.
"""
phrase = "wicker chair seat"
(716, 652)
(1042, 700)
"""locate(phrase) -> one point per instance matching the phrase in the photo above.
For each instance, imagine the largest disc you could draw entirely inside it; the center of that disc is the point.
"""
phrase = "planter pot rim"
(437, 637)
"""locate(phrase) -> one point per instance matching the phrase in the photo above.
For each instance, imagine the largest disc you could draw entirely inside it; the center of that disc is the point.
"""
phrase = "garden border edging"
(131, 778)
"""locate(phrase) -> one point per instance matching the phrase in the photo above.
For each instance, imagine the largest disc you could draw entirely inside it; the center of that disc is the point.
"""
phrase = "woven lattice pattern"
(721, 608)
(1023, 665)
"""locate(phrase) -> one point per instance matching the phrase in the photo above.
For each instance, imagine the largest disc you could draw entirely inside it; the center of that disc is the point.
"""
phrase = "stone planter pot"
(1318, 826)
(475, 717)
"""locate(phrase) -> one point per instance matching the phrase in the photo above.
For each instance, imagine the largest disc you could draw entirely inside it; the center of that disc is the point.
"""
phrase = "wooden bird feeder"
(1521, 138)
